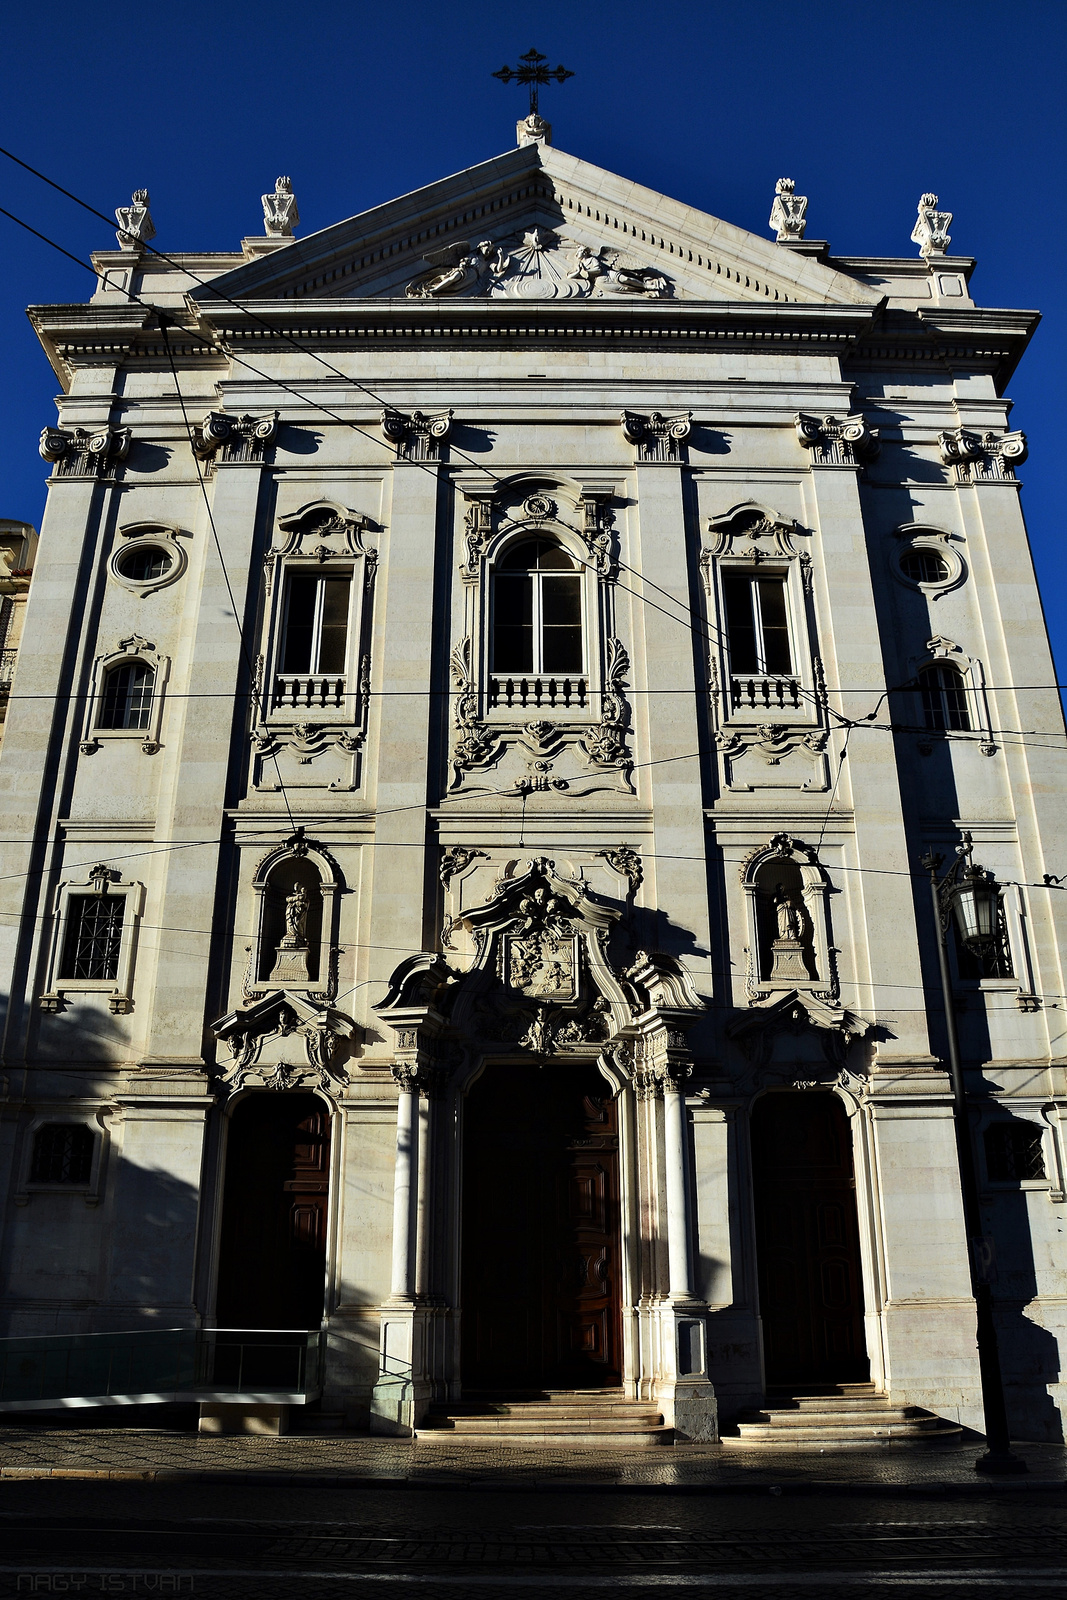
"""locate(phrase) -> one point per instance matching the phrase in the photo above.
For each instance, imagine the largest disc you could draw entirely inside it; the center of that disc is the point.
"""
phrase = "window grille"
(944, 698)
(94, 936)
(1013, 1152)
(127, 698)
(62, 1153)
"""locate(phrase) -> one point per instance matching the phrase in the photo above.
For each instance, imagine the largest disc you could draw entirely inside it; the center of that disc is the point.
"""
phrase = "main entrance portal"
(807, 1240)
(541, 1251)
(272, 1266)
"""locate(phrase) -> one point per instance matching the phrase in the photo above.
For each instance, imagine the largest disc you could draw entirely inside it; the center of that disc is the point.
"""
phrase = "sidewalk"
(143, 1455)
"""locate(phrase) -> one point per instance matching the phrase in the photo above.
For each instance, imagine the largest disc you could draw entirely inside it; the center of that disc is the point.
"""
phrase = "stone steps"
(853, 1418)
(581, 1418)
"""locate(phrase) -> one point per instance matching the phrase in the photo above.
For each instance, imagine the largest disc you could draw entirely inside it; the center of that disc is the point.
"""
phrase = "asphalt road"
(233, 1541)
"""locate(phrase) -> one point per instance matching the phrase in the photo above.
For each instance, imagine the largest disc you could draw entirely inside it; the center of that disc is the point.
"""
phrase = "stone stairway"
(849, 1416)
(559, 1418)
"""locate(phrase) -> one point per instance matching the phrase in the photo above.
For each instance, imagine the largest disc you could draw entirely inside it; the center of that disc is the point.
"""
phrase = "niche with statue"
(296, 888)
(787, 893)
(289, 953)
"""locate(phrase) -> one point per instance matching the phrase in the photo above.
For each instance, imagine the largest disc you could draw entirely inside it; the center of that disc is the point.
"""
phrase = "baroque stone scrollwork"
(135, 222)
(627, 862)
(930, 232)
(226, 438)
(538, 979)
(474, 746)
(605, 743)
(837, 441)
(787, 212)
(83, 453)
(831, 1026)
(417, 437)
(283, 1039)
(983, 458)
(657, 437)
(536, 265)
(280, 215)
(457, 860)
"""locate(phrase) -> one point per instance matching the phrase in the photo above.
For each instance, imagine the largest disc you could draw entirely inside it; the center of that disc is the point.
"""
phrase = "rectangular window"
(316, 622)
(513, 637)
(94, 936)
(537, 622)
(757, 624)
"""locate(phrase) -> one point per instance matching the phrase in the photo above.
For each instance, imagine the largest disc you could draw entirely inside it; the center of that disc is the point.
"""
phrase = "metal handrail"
(157, 1365)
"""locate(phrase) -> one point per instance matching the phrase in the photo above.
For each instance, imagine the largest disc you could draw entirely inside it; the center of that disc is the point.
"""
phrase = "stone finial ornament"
(135, 222)
(532, 130)
(787, 212)
(930, 232)
(280, 215)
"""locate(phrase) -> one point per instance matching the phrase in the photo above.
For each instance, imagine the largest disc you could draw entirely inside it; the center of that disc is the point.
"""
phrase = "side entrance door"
(807, 1241)
(272, 1265)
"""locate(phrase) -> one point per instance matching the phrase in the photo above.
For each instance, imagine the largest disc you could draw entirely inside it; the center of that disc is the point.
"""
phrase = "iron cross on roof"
(533, 71)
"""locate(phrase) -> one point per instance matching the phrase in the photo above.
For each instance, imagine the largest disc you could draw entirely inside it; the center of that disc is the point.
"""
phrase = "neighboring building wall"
(408, 791)
(18, 546)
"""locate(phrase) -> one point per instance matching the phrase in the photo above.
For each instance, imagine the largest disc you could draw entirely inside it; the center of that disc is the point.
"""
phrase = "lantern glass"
(975, 909)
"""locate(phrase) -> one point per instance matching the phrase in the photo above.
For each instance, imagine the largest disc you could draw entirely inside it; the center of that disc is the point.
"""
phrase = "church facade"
(491, 671)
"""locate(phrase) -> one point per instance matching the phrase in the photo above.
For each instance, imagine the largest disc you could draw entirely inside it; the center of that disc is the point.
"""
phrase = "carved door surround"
(771, 730)
(531, 979)
(539, 733)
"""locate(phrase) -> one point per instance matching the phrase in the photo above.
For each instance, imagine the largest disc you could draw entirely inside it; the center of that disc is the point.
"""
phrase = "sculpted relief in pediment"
(535, 265)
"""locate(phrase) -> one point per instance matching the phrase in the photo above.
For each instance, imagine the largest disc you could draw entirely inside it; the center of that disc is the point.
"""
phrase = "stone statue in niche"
(788, 949)
(291, 965)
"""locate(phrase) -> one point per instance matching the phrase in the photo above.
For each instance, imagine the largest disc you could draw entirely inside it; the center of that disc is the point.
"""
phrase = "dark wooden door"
(541, 1298)
(272, 1266)
(807, 1240)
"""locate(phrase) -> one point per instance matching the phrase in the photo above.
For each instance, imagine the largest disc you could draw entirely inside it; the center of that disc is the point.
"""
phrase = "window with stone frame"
(126, 696)
(944, 698)
(757, 623)
(537, 652)
(62, 1153)
(1013, 1152)
(312, 663)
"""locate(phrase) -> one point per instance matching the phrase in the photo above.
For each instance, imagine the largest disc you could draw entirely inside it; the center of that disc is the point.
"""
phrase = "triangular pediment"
(538, 224)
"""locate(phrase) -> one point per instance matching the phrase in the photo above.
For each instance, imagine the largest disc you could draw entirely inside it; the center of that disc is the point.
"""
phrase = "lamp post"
(971, 896)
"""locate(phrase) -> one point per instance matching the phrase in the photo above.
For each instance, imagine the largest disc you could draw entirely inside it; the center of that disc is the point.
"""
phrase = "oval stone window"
(145, 563)
(924, 566)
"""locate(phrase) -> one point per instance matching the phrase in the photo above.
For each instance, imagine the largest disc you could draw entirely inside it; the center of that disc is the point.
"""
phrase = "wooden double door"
(272, 1264)
(541, 1243)
(807, 1241)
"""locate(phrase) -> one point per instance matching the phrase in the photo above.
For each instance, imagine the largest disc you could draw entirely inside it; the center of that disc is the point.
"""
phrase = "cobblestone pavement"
(148, 1455)
(232, 1541)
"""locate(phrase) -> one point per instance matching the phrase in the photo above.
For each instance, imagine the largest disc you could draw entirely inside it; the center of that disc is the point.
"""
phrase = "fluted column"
(405, 1187)
(679, 1222)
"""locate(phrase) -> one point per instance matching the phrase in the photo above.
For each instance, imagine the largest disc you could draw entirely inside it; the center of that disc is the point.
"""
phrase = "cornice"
(702, 324)
(989, 340)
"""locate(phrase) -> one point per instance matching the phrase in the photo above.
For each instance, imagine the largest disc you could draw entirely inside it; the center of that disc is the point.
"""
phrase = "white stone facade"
(572, 860)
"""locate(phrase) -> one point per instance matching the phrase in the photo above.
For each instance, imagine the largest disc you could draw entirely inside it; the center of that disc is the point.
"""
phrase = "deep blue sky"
(864, 105)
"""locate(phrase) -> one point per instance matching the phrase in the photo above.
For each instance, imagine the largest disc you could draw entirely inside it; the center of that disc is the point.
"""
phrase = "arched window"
(126, 701)
(62, 1153)
(944, 697)
(537, 610)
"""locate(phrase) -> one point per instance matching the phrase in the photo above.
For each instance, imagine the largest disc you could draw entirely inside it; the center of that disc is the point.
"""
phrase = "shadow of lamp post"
(971, 896)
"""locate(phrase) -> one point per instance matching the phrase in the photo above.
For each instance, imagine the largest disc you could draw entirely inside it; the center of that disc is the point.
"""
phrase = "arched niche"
(787, 894)
(298, 865)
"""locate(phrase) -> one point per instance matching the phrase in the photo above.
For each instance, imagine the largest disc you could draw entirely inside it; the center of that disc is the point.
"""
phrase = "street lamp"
(971, 896)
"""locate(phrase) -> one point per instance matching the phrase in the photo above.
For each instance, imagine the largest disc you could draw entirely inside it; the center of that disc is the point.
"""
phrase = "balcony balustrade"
(539, 690)
(308, 690)
(764, 692)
